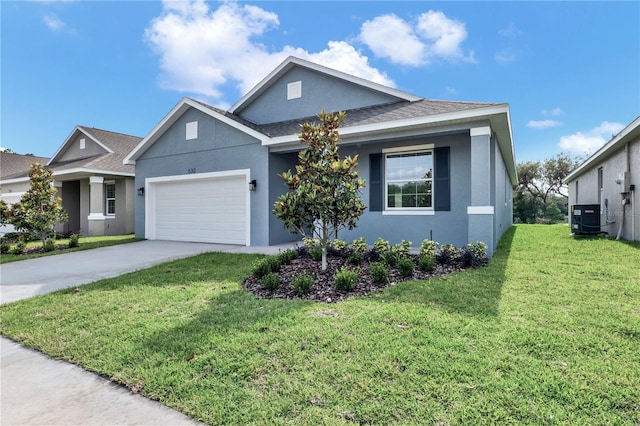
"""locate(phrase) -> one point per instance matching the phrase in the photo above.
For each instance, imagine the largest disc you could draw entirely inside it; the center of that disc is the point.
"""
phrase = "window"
(110, 198)
(409, 180)
(83, 142)
(192, 130)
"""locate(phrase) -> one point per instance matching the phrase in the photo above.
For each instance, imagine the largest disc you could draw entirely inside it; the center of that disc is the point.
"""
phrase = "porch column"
(481, 213)
(96, 205)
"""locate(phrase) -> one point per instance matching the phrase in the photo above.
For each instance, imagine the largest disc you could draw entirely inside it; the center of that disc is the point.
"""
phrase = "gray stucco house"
(610, 179)
(96, 188)
(212, 176)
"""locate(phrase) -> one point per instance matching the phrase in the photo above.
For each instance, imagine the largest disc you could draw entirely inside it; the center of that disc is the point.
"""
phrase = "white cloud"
(201, 50)
(53, 22)
(554, 112)
(506, 56)
(511, 31)
(586, 143)
(433, 36)
(543, 124)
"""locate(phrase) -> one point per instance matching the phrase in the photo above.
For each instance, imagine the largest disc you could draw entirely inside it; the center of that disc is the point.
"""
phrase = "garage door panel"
(204, 210)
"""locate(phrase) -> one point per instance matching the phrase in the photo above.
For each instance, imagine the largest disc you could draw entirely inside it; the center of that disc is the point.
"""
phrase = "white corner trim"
(408, 212)
(96, 179)
(96, 216)
(480, 210)
(480, 131)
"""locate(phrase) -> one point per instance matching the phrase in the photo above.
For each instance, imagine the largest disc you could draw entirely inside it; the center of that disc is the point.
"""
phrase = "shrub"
(478, 248)
(4, 246)
(428, 248)
(340, 245)
(19, 248)
(303, 282)
(390, 258)
(406, 266)
(450, 252)
(49, 244)
(359, 246)
(345, 279)
(382, 245)
(427, 263)
(310, 243)
(74, 241)
(287, 256)
(355, 258)
(379, 273)
(271, 281)
(470, 260)
(275, 263)
(372, 255)
(402, 249)
(261, 268)
(316, 253)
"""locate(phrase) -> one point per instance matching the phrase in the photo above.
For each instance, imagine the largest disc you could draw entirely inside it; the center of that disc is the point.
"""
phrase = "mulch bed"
(324, 290)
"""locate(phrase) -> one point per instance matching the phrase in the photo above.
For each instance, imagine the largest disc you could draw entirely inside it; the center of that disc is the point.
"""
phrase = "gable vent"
(294, 90)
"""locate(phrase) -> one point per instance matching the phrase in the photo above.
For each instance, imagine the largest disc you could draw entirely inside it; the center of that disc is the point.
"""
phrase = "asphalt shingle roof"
(17, 165)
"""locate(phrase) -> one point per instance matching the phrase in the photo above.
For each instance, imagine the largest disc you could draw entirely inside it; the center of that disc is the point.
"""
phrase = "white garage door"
(208, 208)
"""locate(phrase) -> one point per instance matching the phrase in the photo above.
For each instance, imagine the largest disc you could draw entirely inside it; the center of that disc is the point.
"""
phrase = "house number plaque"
(191, 170)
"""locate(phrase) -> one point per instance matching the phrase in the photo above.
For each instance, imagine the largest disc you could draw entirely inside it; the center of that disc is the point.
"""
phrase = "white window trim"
(106, 199)
(407, 211)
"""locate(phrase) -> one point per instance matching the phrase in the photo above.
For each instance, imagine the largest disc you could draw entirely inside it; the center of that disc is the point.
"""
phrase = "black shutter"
(441, 180)
(375, 183)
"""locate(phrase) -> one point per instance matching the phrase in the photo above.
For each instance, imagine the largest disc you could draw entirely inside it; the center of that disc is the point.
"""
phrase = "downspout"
(624, 190)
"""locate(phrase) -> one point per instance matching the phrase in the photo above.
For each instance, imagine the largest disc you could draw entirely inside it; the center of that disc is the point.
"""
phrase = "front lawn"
(86, 243)
(547, 333)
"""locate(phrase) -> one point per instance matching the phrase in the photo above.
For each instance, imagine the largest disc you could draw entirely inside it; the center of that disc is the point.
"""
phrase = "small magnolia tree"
(39, 209)
(324, 192)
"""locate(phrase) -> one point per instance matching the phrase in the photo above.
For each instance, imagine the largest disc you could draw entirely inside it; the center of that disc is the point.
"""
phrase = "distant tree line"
(540, 196)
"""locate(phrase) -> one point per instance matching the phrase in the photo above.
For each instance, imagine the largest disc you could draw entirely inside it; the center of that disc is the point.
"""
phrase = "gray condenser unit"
(585, 219)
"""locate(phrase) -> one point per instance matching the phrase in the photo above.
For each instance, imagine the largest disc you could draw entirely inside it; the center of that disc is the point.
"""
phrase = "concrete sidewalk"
(38, 390)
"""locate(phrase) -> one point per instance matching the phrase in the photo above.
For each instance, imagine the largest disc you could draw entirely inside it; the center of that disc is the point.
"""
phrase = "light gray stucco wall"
(279, 163)
(588, 191)
(122, 222)
(319, 91)
(445, 227)
(219, 147)
(502, 195)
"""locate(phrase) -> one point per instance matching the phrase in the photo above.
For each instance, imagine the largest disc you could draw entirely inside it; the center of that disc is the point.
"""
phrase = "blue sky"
(570, 71)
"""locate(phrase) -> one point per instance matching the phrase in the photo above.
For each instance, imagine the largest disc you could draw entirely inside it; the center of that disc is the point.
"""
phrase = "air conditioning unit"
(585, 219)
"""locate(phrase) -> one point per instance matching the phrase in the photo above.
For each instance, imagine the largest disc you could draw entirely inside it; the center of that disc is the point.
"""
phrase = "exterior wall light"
(141, 191)
(252, 185)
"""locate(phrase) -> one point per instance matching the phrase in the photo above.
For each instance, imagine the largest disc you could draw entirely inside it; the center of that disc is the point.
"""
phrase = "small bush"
(287, 256)
(74, 241)
(345, 279)
(382, 245)
(271, 281)
(19, 248)
(402, 249)
(355, 258)
(340, 245)
(428, 248)
(372, 255)
(4, 246)
(49, 244)
(390, 258)
(261, 268)
(478, 249)
(379, 273)
(406, 266)
(310, 243)
(275, 263)
(427, 263)
(448, 253)
(316, 253)
(303, 282)
(359, 246)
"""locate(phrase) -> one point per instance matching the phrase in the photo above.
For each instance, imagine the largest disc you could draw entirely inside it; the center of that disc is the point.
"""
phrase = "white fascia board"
(14, 180)
(624, 136)
(61, 149)
(92, 172)
(173, 115)
(266, 82)
(388, 126)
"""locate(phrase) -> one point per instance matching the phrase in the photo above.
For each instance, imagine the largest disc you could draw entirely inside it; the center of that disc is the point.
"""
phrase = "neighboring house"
(433, 169)
(96, 188)
(15, 167)
(610, 179)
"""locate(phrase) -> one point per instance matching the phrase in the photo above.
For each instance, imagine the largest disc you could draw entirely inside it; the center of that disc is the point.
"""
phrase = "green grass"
(86, 243)
(547, 333)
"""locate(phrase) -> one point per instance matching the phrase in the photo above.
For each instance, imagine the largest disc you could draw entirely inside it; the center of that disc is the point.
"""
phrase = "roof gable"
(298, 88)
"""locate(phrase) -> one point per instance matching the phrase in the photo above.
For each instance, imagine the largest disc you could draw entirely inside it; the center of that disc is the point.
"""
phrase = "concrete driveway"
(38, 390)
